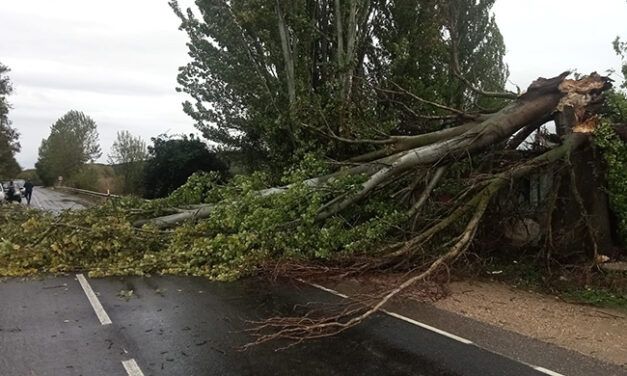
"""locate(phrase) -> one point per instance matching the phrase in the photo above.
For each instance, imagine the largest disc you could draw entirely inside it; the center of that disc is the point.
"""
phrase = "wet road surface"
(53, 200)
(191, 326)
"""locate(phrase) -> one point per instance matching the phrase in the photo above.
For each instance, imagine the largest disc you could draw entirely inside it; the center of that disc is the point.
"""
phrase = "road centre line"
(93, 300)
(433, 329)
(131, 367)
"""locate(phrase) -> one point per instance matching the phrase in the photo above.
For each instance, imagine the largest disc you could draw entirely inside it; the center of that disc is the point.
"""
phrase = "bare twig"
(426, 101)
(458, 73)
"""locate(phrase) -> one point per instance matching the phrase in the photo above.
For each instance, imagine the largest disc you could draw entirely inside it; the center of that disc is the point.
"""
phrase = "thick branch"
(499, 127)
(403, 143)
(427, 191)
(522, 135)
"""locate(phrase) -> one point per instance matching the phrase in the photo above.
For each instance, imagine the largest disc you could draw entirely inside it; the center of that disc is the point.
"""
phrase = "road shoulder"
(597, 332)
(521, 345)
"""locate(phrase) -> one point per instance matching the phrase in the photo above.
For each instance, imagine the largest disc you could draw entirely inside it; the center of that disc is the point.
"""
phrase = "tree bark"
(288, 58)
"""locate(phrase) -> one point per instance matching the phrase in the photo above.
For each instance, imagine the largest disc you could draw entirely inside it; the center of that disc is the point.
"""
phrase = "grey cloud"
(98, 82)
(117, 60)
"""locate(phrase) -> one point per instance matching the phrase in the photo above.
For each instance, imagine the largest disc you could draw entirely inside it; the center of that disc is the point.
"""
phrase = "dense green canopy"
(9, 145)
(278, 79)
(73, 141)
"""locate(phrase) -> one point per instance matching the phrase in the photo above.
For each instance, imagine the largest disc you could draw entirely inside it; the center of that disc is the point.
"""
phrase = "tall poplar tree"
(275, 79)
(9, 144)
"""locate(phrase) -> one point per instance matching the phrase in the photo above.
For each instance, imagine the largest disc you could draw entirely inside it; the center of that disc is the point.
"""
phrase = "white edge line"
(547, 371)
(131, 367)
(93, 300)
(320, 287)
(428, 327)
(433, 329)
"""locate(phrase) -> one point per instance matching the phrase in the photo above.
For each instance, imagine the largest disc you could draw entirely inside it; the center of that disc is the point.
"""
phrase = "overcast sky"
(117, 60)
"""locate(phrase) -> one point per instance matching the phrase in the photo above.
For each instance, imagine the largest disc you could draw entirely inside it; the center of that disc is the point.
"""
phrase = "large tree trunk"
(581, 219)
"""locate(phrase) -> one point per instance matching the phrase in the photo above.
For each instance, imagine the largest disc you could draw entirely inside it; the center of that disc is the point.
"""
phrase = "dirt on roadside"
(596, 332)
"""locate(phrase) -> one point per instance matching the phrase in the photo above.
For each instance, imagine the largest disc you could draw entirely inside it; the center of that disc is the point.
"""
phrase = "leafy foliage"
(615, 155)
(9, 144)
(172, 161)
(620, 47)
(246, 229)
(272, 78)
(199, 188)
(479, 45)
(615, 107)
(128, 154)
(73, 141)
(99, 240)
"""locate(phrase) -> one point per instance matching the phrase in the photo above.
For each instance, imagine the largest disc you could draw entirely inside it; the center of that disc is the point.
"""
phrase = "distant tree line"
(9, 144)
(134, 168)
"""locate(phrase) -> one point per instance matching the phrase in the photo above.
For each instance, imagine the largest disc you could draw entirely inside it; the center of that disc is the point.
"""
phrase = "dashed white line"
(431, 328)
(131, 367)
(93, 300)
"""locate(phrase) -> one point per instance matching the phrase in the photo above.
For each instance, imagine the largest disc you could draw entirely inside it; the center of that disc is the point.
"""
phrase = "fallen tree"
(545, 100)
(372, 137)
(385, 210)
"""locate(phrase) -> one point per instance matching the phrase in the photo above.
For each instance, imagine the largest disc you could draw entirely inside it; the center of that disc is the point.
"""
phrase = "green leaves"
(73, 141)
(9, 145)
(173, 160)
(615, 154)
(245, 230)
(269, 79)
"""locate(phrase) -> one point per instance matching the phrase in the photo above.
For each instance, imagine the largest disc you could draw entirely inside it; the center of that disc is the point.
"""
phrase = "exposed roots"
(314, 325)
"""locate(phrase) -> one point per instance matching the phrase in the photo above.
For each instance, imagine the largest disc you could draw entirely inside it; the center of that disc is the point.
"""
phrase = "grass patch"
(597, 297)
(575, 284)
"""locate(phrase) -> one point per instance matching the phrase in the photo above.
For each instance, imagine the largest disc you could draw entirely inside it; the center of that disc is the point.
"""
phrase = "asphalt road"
(190, 326)
(48, 199)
